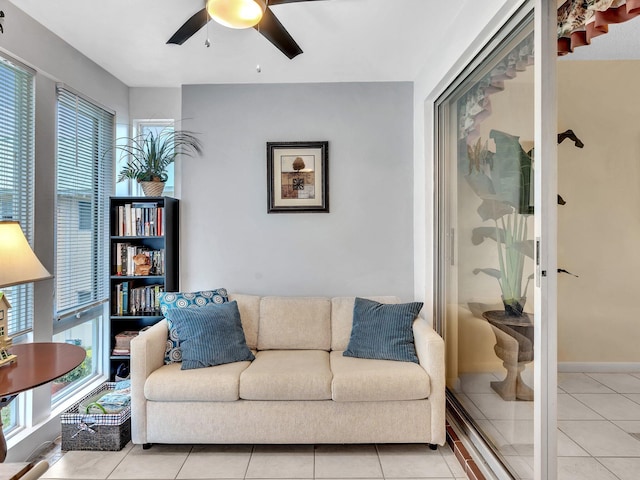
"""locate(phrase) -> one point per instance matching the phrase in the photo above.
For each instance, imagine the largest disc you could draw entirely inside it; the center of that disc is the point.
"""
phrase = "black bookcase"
(146, 227)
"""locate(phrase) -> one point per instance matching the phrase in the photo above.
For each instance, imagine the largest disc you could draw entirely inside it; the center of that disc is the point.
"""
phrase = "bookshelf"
(143, 261)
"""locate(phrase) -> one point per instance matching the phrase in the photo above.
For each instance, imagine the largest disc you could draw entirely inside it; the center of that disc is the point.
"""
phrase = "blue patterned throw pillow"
(383, 331)
(210, 335)
(168, 300)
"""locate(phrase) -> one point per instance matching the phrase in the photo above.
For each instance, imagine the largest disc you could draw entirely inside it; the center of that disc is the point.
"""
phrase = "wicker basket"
(152, 189)
(95, 431)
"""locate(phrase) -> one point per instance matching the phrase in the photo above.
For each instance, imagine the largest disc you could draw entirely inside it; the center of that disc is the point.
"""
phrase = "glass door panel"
(485, 266)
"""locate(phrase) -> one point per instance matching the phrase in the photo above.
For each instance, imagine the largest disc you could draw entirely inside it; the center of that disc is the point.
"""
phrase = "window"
(16, 182)
(17, 116)
(84, 216)
(143, 127)
(85, 134)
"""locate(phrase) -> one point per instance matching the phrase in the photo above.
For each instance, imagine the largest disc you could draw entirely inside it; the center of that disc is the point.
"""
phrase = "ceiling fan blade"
(191, 26)
(271, 28)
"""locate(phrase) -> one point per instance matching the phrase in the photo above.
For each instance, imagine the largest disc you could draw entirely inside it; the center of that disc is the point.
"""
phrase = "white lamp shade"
(18, 263)
(236, 13)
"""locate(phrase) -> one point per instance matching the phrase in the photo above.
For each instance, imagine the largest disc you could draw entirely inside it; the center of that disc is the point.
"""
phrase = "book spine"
(128, 232)
(118, 258)
(120, 220)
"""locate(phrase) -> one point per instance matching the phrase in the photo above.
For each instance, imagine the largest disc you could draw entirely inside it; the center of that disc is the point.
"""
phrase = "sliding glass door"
(490, 279)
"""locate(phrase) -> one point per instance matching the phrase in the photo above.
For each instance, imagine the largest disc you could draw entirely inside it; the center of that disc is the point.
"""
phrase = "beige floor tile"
(521, 466)
(601, 438)
(515, 432)
(348, 461)
(620, 382)
(216, 461)
(610, 406)
(281, 461)
(581, 383)
(86, 464)
(495, 437)
(452, 461)
(629, 426)
(569, 448)
(569, 408)
(493, 407)
(412, 461)
(159, 462)
(623, 468)
(580, 468)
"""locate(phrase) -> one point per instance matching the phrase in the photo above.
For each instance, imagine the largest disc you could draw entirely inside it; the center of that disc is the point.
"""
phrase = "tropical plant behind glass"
(147, 155)
(503, 181)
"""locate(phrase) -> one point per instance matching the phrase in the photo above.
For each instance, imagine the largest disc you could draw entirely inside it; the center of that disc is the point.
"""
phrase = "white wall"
(364, 246)
(155, 103)
(54, 61)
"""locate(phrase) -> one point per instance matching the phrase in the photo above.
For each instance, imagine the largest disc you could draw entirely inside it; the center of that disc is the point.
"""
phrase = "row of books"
(128, 261)
(140, 219)
(137, 300)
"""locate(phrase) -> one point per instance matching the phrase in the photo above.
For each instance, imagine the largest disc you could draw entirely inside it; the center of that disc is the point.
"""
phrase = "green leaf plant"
(503, 181)
(147, 156)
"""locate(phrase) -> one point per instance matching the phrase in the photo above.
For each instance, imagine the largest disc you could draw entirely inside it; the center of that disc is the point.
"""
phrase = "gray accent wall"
(364, 246)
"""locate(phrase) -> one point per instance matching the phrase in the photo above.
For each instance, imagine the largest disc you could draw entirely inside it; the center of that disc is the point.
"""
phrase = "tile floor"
(260, 462)
(598, 439)
(598, 415)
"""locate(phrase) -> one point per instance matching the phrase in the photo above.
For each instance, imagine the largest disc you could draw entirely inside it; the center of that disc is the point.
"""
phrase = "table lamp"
(18, 265)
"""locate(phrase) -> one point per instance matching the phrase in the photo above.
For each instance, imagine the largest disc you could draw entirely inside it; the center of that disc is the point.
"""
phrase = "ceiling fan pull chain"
(207, 42)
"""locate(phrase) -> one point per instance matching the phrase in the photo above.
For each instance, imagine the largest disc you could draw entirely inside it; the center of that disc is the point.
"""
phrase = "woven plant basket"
(152, 189)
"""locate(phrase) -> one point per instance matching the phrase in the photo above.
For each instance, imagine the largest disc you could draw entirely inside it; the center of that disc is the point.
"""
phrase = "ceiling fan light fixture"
(236, 13)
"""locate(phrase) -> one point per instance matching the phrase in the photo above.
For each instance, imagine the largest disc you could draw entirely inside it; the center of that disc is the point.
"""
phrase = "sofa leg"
(146, 446)
(433, 446)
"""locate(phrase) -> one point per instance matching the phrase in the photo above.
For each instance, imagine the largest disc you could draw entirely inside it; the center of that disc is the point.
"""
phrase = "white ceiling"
(343, 40)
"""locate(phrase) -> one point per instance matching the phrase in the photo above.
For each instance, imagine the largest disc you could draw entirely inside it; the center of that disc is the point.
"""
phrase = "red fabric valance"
(581, 20)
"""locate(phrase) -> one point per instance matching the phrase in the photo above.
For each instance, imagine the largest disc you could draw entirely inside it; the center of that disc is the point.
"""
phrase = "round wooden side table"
(37, 364)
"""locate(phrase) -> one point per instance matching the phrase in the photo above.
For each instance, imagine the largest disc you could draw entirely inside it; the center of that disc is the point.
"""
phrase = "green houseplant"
(147, 156)
(503, 181)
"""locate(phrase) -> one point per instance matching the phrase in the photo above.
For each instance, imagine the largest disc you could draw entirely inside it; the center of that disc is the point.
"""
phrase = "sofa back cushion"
(249, 306)
(342, 318)
(295, 323)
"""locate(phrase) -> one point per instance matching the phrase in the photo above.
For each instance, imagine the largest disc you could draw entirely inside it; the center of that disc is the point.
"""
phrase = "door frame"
(545, 233)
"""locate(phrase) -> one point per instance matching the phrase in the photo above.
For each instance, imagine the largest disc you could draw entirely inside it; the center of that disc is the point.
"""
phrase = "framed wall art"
(298, 177)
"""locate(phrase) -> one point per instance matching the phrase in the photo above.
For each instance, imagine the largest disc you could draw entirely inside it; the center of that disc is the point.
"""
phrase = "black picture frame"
(298, 177)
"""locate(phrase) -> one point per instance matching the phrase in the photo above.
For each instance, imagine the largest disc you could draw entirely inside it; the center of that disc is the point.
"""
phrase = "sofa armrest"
(430, 351)
(147, 355)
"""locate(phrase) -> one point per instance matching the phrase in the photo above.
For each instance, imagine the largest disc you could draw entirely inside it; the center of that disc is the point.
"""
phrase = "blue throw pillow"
(210, 335)
(168, 300)
(383, 331)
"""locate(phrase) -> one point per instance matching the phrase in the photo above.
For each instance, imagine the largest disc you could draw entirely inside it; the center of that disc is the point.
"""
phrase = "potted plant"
(503, 181)
(147, 156)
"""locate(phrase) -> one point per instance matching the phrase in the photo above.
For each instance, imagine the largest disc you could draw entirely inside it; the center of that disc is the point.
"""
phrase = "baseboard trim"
(598, 367)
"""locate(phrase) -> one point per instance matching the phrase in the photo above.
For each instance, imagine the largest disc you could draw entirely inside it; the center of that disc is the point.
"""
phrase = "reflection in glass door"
(485, 304)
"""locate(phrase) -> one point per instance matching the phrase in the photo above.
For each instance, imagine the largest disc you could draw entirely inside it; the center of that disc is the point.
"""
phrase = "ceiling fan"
(243, 14)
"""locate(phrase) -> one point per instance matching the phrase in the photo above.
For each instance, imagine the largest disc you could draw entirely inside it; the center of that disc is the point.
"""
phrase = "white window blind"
(16, 174)
(85, 136)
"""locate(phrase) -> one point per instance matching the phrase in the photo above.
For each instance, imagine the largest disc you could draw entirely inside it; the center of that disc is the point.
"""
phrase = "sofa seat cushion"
(366, 380)
(171, 384)
(287, 375)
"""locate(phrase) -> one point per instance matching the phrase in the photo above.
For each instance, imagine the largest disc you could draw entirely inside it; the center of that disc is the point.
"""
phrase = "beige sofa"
(299, 388)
